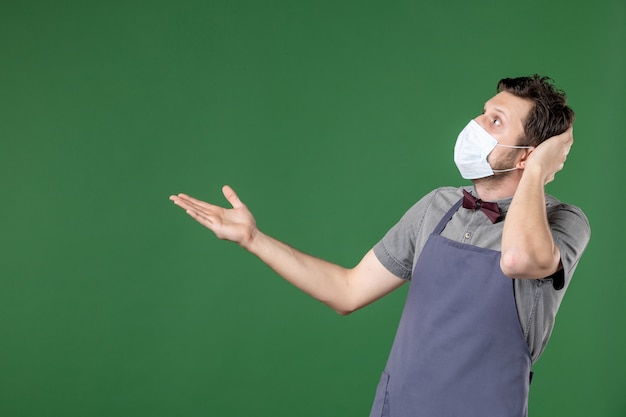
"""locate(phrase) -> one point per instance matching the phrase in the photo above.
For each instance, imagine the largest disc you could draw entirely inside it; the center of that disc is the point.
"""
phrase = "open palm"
(235, 224)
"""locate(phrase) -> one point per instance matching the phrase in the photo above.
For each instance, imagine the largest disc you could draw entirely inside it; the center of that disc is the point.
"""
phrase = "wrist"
(534, 173)
(252, 242)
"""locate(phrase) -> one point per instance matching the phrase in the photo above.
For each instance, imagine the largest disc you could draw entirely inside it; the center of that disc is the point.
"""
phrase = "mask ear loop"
(515, 146)
(503, 170)
(511, 147)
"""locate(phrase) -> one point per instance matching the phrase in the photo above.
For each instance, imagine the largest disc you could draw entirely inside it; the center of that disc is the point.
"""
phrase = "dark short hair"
(550, 116)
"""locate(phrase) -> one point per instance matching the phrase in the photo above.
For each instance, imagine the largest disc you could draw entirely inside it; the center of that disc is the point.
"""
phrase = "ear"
(521, 164)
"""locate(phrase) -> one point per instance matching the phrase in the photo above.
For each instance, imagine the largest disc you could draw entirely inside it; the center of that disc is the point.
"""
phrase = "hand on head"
(549, 156)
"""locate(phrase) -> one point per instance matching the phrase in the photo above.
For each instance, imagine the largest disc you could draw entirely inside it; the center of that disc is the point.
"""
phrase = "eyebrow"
(502, 112)
(497, 110)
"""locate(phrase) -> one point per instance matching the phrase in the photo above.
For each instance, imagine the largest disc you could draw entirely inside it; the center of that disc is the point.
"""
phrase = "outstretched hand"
(551, 154)
(235, 224)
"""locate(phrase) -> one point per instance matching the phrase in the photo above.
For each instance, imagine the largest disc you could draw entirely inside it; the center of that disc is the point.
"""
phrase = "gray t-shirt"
(537, 300)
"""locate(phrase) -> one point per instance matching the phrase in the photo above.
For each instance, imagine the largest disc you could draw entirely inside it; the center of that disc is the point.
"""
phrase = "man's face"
(503, 117)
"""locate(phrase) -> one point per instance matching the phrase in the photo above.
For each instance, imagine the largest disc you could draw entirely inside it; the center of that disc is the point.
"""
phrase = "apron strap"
(446, 218)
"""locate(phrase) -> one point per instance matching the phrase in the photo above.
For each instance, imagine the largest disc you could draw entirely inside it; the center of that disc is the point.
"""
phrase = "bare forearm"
(324, 281)
(344, 290)
(528, 249)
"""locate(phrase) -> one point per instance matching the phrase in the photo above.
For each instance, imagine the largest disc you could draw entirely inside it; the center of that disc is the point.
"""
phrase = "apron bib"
(459, 349)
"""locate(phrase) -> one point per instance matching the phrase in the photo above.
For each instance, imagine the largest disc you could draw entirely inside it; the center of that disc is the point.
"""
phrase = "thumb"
(232, 197)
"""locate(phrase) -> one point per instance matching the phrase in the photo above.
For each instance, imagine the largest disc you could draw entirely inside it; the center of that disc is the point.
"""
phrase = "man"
(486, 279)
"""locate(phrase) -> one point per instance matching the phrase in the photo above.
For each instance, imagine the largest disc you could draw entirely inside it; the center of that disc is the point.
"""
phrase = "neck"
(498, 186)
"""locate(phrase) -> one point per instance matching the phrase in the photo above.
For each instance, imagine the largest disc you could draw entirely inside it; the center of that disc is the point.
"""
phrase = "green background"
(330, 119)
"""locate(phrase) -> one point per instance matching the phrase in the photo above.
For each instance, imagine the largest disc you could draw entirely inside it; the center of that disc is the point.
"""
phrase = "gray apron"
(459, 349)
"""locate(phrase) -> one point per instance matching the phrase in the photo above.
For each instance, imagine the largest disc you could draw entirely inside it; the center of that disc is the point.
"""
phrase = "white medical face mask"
(472, 147)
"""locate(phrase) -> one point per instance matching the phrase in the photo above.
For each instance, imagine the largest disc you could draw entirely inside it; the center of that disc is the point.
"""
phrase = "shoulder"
(571, 232)
(430, 206)
(401, 245)
(428, 210)
(439, 199)
(567, 214)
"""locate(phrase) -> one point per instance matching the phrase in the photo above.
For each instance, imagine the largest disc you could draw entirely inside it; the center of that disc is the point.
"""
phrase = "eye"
(496, 121)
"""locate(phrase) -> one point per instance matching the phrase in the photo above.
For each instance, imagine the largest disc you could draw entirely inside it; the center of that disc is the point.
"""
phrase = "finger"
(569, 140)
(201, 218)
(232, 197)
(179, 201)
(182, 202)
(200, 207)
(195, 202)
(569, 135)
(567, 150)
(201, 214)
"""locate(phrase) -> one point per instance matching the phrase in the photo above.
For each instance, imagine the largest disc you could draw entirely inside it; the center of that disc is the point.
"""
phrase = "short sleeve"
(571, 233)
(538, 301)
(396, 250)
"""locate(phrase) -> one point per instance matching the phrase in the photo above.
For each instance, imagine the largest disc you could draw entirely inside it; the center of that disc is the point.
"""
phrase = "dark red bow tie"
(490, 209)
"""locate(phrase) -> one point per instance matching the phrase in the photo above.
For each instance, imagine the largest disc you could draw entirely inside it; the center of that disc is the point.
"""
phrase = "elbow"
(340, 306)
(344, 309)
(511, 265)
(344, 300)
(518, 265)
(342, 312)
